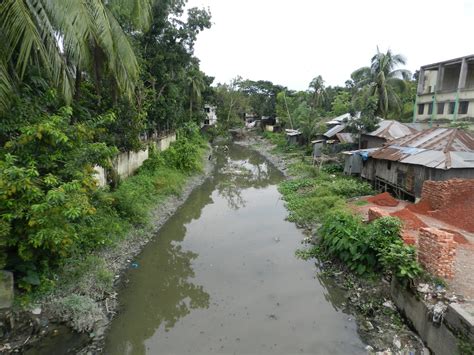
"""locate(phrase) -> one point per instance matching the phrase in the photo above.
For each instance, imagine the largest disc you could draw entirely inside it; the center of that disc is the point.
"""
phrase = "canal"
(221, 276)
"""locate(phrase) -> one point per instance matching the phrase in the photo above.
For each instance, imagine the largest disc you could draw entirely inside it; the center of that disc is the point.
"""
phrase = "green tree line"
(81, 80)
(383, 89)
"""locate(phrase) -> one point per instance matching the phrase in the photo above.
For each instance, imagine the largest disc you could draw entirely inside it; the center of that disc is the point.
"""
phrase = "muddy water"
(221, 277)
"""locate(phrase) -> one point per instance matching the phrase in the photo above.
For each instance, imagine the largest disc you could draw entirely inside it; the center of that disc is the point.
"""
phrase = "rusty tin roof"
(390, 130)
(439, 148)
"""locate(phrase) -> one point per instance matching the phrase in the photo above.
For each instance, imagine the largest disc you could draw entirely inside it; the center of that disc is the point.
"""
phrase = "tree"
(232, 103)
(168, 63)
(318, 92)
(262, 96)
(341, 103)
(382, 80)
(196, 85)
(65, 38)
(367, 121)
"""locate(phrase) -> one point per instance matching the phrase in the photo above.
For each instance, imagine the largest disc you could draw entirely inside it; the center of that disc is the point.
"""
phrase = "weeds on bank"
(317, 197)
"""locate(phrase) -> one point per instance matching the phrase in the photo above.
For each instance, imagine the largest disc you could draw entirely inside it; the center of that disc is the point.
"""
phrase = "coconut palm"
(382, 80)
(65, 38)
(196, 85)
(318, 89)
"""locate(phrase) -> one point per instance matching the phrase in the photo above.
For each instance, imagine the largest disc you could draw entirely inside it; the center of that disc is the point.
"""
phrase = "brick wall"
(437, 251)
(440, 194)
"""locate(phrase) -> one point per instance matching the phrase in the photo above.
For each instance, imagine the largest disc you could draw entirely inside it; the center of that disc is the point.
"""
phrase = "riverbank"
(84, 296)
(367, 299)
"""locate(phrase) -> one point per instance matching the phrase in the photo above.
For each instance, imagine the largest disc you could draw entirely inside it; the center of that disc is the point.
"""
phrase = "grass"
(313, 195)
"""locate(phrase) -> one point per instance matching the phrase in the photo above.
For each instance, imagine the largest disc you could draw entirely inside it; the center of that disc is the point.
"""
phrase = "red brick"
(437, 251)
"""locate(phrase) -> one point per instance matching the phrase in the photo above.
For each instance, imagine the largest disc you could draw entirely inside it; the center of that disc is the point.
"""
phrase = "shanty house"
(404, 164)
(293, 136)
(387, 131)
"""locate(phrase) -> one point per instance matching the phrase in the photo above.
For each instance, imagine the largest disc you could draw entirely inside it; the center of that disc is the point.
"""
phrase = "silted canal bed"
(222, 277)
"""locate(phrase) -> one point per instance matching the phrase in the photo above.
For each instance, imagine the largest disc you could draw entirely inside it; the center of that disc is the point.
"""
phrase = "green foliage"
(341, 103)
(343, 235)
(47, 188)
(369, 248)
(311, 199)
(50, 206)
(319, 197)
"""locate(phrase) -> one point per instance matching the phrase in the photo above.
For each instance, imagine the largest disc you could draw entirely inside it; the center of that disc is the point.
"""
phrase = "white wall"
(125, 164)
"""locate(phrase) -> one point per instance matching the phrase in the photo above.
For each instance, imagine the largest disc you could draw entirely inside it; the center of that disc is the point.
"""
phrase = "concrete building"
(403, 165)
(446, 92)
(211, 116)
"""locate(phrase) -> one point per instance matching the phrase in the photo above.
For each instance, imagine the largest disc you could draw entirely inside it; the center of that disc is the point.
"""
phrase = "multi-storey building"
(446, 91)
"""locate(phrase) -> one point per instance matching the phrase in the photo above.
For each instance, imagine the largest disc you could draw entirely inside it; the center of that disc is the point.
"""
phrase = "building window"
(452, 105)
(463, 107)
(389, 165)
(421, 109)
(430, 108)
(440, 108)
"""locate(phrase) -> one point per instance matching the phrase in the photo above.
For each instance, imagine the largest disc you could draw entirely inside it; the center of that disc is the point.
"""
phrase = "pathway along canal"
(222, 277)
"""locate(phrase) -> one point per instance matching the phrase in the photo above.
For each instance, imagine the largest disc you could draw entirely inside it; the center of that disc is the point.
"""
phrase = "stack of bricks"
(409, 237)
(375, 212)
(437, 252)
(440, 194)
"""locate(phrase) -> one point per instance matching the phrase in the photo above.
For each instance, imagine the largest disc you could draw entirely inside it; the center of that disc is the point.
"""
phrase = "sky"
(291, 42)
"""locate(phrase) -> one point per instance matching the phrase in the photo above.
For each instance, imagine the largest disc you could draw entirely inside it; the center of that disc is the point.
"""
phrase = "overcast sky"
(290, 42)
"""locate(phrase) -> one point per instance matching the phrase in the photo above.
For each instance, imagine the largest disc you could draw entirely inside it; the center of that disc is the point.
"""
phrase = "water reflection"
(239, 169)
(162, 291)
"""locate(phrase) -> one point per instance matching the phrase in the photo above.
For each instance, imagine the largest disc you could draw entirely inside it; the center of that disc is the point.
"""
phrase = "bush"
(369, 248)
(344, 236)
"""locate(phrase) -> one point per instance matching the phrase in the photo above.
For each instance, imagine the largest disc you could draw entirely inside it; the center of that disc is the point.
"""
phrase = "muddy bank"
(39, 331)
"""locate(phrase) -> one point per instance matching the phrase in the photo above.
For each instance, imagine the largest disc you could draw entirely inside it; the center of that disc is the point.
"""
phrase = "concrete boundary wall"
(443, 338)
(127, 163)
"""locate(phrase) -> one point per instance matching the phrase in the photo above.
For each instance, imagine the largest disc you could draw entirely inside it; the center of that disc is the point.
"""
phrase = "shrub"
(369, 248)
(344, 236)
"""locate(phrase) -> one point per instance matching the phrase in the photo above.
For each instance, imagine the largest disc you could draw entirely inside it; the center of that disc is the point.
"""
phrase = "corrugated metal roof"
(391, 130)
(343, 118)
(335, 130)
(439, 148)
(345, 137)
(292, 132)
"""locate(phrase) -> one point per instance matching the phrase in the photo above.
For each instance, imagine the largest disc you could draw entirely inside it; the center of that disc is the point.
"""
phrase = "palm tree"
(65, 38)
(318, 90)
(382, 80)
(196, 85)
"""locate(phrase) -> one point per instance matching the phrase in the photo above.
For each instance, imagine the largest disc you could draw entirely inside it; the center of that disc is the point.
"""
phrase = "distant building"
(402, 165)
(211, 116)
(293, 136)
(446, 91)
